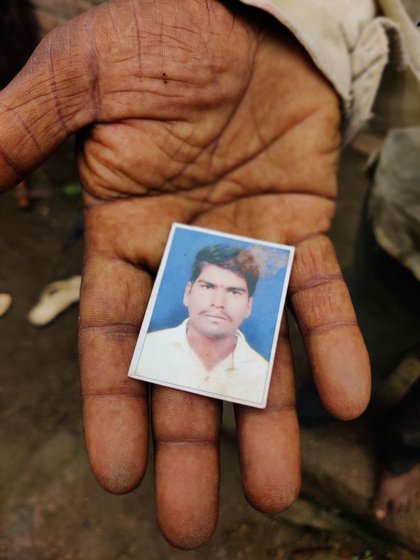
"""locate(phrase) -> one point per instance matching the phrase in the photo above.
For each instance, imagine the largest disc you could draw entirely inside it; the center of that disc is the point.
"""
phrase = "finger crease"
(10, 163)
(315, 282)
(92, 253)
(115, 329)
(114, 397)
(329, 326)
(54, 90)
(307, 238)
(182, 443)
(23, 124)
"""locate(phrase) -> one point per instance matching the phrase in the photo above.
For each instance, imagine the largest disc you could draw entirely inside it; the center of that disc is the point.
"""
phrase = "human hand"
(211, 116)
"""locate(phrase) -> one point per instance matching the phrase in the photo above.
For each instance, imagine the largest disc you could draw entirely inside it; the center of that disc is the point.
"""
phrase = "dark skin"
(210, 115)
(397, 493)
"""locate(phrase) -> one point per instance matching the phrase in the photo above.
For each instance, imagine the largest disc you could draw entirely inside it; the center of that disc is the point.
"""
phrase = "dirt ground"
(50, 505)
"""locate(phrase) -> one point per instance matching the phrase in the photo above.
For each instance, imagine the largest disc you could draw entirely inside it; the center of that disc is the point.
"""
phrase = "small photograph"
(214, 314)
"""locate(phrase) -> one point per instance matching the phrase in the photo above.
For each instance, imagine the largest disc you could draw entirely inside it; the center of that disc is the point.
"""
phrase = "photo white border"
(132, 372)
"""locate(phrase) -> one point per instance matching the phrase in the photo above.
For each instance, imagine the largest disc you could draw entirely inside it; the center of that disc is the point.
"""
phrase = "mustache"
(219, 314)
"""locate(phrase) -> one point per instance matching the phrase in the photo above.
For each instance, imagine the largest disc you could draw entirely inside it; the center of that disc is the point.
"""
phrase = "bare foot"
(397, 493)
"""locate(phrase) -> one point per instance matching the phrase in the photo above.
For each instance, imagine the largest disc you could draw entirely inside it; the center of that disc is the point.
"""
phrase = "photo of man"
(207, 351)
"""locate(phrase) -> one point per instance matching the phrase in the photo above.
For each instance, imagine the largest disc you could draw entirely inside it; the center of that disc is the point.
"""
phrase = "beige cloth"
(351, 42)
(395, 200)
(370, 52)
(398, 101)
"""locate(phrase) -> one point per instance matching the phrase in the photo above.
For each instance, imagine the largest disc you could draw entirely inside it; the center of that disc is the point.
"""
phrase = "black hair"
(235, 259)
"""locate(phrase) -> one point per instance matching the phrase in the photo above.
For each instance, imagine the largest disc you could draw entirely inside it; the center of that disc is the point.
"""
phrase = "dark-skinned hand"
(208, 114)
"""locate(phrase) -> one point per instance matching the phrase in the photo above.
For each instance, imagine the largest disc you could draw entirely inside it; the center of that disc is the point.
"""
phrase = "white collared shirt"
(168, 359)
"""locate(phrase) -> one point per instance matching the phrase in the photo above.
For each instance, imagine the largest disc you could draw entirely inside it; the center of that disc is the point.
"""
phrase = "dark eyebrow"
(229, 288)
(235, 289)
(207, 283)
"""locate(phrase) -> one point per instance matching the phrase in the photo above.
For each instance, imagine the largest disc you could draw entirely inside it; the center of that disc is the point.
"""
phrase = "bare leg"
(398, 488)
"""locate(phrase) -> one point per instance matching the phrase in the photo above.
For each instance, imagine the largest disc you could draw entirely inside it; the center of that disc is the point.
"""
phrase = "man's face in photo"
(218, 301)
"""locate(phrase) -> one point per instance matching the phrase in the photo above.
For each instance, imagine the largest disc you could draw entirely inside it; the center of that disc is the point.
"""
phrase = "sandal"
(5, 303)
(54, 299)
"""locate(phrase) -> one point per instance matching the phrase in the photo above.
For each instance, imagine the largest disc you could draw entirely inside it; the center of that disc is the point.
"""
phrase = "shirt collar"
(234, 356)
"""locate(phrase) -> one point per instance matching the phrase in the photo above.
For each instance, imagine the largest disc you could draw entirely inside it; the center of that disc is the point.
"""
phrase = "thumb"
(52, 97)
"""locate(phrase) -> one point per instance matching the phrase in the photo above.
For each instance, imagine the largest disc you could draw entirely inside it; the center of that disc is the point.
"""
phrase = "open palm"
(198, 113)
